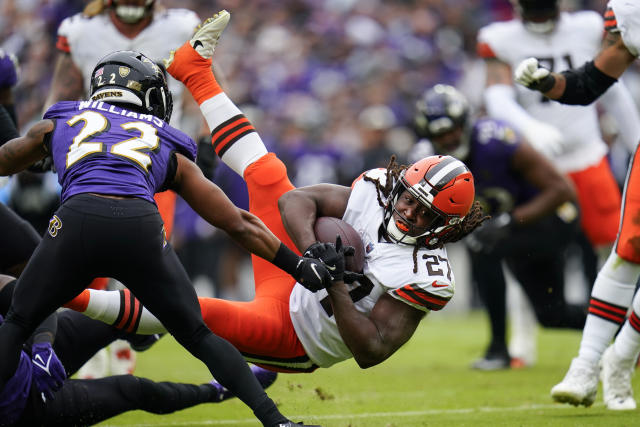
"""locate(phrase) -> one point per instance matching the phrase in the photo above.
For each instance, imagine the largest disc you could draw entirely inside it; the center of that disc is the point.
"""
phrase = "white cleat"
(205, 38)
(616, 375)
(579, 386)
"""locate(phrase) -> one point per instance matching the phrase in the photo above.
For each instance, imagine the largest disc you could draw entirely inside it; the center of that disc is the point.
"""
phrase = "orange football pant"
(599, 198)
(628, 243)
(261, 327)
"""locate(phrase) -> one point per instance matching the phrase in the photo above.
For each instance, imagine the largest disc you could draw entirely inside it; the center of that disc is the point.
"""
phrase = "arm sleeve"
(618, 102)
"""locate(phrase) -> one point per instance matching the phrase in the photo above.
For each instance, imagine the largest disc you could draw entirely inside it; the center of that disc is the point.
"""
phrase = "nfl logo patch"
(369, 247)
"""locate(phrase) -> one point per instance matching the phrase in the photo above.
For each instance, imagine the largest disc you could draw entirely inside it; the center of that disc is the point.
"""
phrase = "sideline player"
(404, 216)
(111, 158)
(615, 285)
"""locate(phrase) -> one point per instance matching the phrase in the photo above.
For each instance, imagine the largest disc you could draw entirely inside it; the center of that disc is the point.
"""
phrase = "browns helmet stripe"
(445, 171)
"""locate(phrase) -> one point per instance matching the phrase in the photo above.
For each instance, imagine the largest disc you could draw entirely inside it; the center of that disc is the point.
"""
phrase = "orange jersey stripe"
(63, 44)
(483, 50)
(421, 297)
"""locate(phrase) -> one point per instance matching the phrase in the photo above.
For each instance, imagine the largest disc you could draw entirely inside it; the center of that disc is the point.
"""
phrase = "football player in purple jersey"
(532, 208)
(64, 342)
(112, 153)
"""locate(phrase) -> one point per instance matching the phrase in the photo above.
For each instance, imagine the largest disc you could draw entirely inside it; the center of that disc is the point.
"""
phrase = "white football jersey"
(627, 19)
(89, 39)
(575, 40)
(388, 269)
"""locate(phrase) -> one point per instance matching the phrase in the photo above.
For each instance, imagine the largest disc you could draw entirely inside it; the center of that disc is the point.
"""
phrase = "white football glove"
(530, 74)
(545, 138)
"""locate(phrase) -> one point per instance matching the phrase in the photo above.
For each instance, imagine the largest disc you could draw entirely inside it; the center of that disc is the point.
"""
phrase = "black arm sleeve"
(584, 85)
(8, 129)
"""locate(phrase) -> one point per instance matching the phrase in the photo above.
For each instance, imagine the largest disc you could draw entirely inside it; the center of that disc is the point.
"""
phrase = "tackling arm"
(299, 209)
(210, 202)
(19, 153)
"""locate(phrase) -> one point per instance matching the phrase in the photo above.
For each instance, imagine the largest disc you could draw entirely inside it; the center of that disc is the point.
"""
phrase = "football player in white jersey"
(403, 215)
(615, 285)
(103, 27)
(570, 136)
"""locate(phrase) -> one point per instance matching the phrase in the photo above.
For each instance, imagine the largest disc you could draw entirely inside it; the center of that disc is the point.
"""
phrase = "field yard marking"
(313, 418)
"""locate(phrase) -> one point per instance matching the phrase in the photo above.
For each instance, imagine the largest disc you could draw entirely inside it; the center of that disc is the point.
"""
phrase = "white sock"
(233, 138)
(105, 306)
(610, 298)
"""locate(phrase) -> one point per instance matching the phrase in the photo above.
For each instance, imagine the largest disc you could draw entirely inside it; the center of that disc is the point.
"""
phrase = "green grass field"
(427, 383)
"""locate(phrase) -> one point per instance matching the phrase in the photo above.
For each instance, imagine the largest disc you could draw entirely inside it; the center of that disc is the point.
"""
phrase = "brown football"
(327, 228)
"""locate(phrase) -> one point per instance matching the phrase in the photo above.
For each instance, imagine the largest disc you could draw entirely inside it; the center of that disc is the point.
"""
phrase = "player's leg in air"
(261, 329)
(611, 296)
(237, 143)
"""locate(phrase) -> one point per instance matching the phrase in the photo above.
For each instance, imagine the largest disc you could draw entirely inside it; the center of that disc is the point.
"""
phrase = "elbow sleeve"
(584, 85)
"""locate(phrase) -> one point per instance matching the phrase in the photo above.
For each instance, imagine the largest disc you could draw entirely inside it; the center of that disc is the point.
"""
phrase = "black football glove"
(312, 274)
(315, 250)
(487, 237)
(333, 259)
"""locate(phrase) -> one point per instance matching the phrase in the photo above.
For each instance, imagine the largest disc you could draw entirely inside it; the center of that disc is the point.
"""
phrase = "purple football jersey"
(8, 74)
(498, 186)
(101, 148)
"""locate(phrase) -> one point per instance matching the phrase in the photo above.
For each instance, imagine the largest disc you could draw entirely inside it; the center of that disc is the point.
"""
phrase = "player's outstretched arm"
(19, 153)
(210, 202)
(583, 85)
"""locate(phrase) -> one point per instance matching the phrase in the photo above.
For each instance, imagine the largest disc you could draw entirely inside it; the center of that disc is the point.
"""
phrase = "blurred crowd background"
(329, 84)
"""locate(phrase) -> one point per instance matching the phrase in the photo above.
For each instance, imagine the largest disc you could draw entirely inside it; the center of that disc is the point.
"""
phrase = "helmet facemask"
(538, 16)
(132, 14)
(452, 181)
